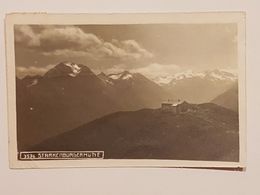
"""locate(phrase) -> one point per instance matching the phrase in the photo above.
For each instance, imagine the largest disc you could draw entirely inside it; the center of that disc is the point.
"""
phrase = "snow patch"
(126, 77)
(74, 68)
(217, 76)
(221, 75)
(34, 82)
(108, 81)
(188, 74)
(115, 76)
(163, 80)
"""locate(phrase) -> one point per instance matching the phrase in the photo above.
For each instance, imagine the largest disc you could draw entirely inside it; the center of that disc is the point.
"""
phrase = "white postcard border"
(44, 18)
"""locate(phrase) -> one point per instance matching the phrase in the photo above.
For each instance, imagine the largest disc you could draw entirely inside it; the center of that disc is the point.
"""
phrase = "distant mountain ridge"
(198, 87)
(70, 94)
(212, 75)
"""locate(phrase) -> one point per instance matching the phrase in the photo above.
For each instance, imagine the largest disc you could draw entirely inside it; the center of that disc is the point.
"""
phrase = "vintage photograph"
(153, 91)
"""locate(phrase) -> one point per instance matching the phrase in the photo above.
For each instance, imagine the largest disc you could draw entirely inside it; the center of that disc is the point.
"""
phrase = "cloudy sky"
(151, 49)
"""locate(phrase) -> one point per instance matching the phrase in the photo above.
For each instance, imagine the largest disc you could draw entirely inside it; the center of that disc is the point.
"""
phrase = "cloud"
(116, 69)
(24, 33)
(132, 48)
(154, 70)
(32, 70)
(71, 41)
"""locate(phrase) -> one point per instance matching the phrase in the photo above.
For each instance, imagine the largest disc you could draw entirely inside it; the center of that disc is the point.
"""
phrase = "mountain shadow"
(228, 99)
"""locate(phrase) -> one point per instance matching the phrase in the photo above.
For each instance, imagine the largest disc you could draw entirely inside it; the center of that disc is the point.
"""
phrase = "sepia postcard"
(126, 90)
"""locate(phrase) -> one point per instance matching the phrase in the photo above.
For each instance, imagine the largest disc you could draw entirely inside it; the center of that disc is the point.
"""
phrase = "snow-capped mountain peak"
(75, 69)
(211, 75)
(121, 76)
(166, 79)
(163, 80)
(68, 69)
(126, 76)
(114, 76)
(188, 74)
(102, 76)
(220, 75)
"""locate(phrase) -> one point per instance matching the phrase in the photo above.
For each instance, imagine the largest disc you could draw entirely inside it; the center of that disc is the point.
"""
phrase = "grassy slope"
(209, 134)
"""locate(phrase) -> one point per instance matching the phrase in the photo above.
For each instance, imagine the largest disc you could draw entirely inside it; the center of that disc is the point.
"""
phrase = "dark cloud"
(72, 41)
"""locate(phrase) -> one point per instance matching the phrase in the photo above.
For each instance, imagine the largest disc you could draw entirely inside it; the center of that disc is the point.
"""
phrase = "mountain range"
(198, 87)
(70, 95)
